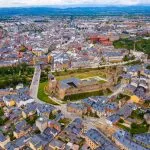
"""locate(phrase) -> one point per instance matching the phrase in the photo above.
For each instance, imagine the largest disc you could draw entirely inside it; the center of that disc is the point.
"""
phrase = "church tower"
(52, 83)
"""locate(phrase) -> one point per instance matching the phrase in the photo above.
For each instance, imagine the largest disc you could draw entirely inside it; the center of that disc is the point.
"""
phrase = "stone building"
(72, 86)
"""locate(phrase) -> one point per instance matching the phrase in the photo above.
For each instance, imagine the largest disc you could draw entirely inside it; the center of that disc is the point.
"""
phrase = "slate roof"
(124, 138)
(99, 139)
(2, 137)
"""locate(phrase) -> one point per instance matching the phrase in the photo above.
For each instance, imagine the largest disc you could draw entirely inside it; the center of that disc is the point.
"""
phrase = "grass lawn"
(75, 97)
(43, 96)
(81, 74)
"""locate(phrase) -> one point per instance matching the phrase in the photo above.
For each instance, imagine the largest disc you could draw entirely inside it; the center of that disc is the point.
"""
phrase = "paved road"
(88, 121)
(101, 66)
(35, 83)
(118, 91)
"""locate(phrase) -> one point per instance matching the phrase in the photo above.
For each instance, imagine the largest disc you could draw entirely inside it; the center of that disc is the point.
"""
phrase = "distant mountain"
(76, 11)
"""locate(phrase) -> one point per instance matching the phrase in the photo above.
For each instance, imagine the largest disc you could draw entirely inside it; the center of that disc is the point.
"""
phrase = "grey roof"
(76, 126)
(2, 137)
(42, 108)
(50, 132)
(134, 68)
(30, 107)
(114, 118)
(56, 143)
(144, 138)
(65, 83)
(124, 138)
(126, 110)
(99, 139)
(40, 140)
(76, 105)
(17, 143)
(98, 103)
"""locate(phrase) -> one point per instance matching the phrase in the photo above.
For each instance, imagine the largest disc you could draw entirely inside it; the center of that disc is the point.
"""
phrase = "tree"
(1, 112)
(121, 121)
(1, 121)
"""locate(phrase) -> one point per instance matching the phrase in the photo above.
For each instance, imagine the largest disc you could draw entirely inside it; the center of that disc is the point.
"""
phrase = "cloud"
(9, 3)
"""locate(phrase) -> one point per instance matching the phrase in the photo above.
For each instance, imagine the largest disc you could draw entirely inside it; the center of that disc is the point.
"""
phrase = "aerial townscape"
(75, 78)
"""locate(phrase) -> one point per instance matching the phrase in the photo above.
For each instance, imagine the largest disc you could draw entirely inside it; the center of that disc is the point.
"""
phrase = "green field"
(80, 96)
(43, 96)
(80, 73)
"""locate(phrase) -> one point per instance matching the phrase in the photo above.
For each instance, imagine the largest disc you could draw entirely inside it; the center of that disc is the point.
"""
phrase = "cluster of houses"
(137, 79)
(126, 141)
(98, 105)
(87, 57)
(45, 132)
(123, 113)
(96, 140)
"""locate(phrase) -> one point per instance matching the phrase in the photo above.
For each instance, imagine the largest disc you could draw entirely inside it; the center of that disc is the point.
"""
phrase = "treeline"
(13, 70)
(11, 76)
(142, 45)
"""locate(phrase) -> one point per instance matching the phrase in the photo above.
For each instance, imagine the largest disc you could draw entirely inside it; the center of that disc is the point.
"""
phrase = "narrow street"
(118, 91)
(35, 84)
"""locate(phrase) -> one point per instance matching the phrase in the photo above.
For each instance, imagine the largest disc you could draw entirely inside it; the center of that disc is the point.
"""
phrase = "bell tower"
(52, 83)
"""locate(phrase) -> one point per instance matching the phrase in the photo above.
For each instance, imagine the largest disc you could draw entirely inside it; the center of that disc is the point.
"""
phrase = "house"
(142, 139)
(126, 110)
(113, 119)
(112, 57)
(29, 110)
(76, 127)
(72, 146)
(23, 100)
(3, 140)
(9, 100)
(17, 144)
(111, 108)
(96, 104)
(44, 110)
(39, 141)
(124, 141)
(4, 92)
(51, 132)
(54, 124)
(77, 108)
(13, 113)
(133, 70)
(57, 144)
(96, 140)
(2, 104)
(21, 129)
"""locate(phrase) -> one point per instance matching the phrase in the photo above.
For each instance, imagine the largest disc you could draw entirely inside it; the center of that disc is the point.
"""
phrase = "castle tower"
(52, 82)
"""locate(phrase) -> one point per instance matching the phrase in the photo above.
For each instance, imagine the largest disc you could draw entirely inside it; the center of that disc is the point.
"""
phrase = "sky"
(26, 3)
